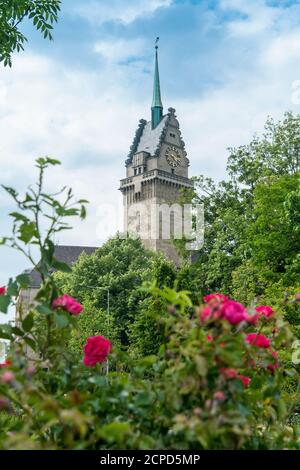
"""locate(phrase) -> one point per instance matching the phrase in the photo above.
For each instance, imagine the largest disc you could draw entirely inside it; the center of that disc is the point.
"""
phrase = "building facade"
(156, 170)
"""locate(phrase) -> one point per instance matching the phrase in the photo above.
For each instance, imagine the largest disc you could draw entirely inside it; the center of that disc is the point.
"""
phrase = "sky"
(225, 66)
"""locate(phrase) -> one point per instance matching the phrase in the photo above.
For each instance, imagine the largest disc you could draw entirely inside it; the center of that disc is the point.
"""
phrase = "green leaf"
(18, 216)
(62, 319)
(27, 232)
(61, 266)
(4, 303)
(44, 309)
(5, 331)
(27, 323)
(30, 342)
(23, 280)
(12, 288)
(16, 331)
(115, 432)
(83, 212)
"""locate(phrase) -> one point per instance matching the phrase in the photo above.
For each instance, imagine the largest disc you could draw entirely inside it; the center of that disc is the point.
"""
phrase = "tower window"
(172, 171)
(140, 170)
(135, 172)
(172, 135)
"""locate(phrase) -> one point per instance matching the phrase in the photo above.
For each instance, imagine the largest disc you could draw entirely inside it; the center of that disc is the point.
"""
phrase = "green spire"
(157, 107)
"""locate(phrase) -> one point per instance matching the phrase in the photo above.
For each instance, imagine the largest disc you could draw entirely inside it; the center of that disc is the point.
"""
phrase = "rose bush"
(216, 382)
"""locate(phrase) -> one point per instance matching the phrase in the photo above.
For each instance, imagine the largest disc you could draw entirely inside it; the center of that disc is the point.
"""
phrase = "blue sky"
(225, 66)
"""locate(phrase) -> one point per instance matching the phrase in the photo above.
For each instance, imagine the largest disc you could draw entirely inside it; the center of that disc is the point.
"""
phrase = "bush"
(215, 382)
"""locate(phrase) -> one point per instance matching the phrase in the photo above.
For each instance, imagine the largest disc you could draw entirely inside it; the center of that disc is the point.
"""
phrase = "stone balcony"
(166, 176)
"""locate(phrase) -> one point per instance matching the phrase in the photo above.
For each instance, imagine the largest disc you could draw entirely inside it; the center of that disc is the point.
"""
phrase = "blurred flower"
(229, 373)
(5, 364)
(246, 380)
(219, 396)
(2, 290)
(68, 304)
(96, 350)
(258, 340)
(252, 319)
(275, 364)
(265, 310)
(217, 297)
(209, 338)
(233, 312)
(297, 297)
(7, 377)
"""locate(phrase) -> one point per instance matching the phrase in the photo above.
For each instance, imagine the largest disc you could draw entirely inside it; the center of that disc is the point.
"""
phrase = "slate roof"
(150, 138)
(67, 254)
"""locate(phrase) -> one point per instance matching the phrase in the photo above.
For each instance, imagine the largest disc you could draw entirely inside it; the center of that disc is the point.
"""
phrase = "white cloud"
(119, 50)
(283, 49)
(258, 17)
(118, 10)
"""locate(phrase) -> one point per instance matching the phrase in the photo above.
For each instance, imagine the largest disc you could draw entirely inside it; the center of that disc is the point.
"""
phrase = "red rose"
(5, 364)
(275, 364)
(2, 290)
(209, 338)
(265, 310)
(246, 380)
(96, 350)
(252, 319)
(68, 304)
(229, 373)
(260, 341)
(216, 298)
(233, 312)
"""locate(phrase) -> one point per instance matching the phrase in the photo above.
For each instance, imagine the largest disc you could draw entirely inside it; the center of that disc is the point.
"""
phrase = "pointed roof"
(67, 254)
(156, 102)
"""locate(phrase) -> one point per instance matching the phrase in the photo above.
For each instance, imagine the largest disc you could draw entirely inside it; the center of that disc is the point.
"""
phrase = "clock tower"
(156, 171)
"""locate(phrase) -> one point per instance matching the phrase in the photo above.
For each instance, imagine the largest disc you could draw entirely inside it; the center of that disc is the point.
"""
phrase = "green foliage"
(118, 269)
(177, 399)
(165, 384)
(251, 221)
(42, 13)
(36, 220)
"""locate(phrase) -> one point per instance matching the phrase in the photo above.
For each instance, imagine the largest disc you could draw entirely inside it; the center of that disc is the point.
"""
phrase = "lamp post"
(107, 311)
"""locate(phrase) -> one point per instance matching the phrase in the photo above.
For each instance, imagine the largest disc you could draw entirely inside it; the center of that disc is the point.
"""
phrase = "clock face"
(173, 156)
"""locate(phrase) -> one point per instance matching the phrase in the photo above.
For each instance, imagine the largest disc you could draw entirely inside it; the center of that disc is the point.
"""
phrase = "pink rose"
(246, 380)
(258, 340)
(219, 396)
(233, 312)
(96, 350)
(297, 297)
(252, 319)
(229, 373)
(217, 297)
(209, 338)
(265, 310)
(275, 364)
(205, 313)
(2, 290)
(7, 377)
(68, 304)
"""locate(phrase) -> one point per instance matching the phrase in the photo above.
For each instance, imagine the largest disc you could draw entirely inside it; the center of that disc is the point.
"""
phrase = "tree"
(232, 210)
(120, 266)
(277, 152)
(42, 13)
